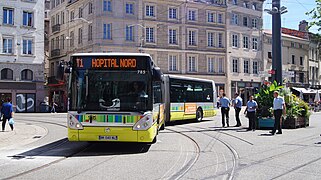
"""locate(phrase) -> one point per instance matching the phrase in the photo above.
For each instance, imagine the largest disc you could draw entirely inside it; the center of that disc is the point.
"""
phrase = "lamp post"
(276, 12)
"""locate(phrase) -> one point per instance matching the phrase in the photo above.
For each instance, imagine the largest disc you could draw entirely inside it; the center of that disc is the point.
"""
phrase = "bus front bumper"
(113, 134)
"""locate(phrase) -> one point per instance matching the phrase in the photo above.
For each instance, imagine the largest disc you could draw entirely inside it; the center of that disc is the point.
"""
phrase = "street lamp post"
(276, 12)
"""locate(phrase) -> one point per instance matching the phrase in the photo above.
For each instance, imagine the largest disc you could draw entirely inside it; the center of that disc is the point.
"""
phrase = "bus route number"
(141, 71)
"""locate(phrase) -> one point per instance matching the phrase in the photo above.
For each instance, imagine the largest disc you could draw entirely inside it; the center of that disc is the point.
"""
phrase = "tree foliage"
(315, 14)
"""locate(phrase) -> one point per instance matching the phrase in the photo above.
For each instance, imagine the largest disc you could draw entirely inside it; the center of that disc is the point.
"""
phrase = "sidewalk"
(22, 134)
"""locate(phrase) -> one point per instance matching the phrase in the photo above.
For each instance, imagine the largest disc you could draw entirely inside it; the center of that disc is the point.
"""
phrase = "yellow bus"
(114, 97)
(189, 98)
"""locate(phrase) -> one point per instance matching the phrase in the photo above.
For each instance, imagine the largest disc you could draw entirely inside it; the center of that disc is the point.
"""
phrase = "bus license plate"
(108, 138)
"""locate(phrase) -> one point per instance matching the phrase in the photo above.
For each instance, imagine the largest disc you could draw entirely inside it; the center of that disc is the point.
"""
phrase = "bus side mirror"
(157, 74)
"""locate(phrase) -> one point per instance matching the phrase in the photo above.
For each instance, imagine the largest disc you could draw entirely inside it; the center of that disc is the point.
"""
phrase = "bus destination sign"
(111, 63)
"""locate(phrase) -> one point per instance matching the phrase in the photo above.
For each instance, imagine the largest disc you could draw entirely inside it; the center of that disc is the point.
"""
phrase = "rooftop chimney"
(303, 26)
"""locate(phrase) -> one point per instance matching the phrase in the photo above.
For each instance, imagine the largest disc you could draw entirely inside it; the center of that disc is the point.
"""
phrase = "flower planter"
(292, 123)
(265, 123)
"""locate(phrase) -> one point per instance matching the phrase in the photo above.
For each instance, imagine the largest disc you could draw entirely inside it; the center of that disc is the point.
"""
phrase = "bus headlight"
(73, 123)
(144, 123)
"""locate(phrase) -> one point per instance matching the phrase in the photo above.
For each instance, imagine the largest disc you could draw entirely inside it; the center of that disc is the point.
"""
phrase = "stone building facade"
(244, 47)
(22, 54)
(183, 37)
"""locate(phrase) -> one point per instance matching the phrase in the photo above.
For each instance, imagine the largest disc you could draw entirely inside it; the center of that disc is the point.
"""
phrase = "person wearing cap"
(278, 108)
(237, 103)
(225, 108)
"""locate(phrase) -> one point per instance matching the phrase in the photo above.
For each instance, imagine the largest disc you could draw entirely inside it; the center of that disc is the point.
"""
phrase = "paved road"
(38, 149)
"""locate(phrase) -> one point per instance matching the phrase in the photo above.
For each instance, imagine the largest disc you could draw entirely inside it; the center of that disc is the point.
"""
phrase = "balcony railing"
(55, 52)
(55, 28)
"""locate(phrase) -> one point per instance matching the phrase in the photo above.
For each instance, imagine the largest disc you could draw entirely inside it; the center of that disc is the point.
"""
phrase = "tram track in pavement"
(186, 166)
(264, 160)
(235, 156)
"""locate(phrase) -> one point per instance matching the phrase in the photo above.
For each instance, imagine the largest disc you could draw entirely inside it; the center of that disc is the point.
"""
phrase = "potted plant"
(297, 113)
(264, 98)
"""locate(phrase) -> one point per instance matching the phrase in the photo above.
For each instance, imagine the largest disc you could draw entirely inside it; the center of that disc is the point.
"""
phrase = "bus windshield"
(103, 90)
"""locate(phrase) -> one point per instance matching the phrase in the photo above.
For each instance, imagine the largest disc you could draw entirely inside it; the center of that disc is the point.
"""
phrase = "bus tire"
(163, 126)
(154, 140)
(199, 114)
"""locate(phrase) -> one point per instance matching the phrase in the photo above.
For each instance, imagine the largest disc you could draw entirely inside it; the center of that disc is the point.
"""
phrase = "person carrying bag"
(7, 112)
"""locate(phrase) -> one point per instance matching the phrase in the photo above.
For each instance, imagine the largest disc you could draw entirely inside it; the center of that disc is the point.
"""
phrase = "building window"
(210, 64)
(220, 40)
(246, 66)
(234, 19)
(255, 44)
(192, 15)
(234, 2)
(172, 63)
(192, 38)
(107, 31)
(107, 5)
(235, 65)
(172, 13)
(57, 42)
(129, 8)
(80, 12)
(8, 16)
(90, 8)
(62, 17)
(221, 65)
(246, 4)
(79, 35)
(235, 40)
(27, 18)
(172, 36)
(210, 17)
(245, 42)
(192, 64)
(129, 33)
(254, 6)
(52, 43)
(220, 18)
(150, 35)
(210, 39)
(72, 37)
(293, 59)
(27, 46)
(301, 61)
(301, 77)
(255, 67)
(90, 32)
(254, 23)
(150, 11)
(7, 45)
(62, 41)
(293, 44)
(6, 74)
(270, 55)
(27, 74)
(72, 15)
(245, 21)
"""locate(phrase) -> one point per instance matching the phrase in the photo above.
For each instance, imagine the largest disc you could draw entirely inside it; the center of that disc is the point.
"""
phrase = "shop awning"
(306, 90)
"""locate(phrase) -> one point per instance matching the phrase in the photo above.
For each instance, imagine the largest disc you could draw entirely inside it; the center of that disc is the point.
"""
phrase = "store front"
(245, 89)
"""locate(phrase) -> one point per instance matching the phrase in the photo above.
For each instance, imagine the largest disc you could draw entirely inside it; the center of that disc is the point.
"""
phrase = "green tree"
(315, 14)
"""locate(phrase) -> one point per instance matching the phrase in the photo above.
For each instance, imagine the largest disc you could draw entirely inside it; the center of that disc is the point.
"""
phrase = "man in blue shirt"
(251, 106)
(237, 103)
(7, 112)
(278, 108)
(225, 108)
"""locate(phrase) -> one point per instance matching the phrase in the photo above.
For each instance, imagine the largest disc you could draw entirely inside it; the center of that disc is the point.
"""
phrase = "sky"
(291, 19)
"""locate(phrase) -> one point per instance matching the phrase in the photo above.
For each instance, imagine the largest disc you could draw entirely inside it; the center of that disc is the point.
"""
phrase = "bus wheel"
(162, 127)
(199, 114)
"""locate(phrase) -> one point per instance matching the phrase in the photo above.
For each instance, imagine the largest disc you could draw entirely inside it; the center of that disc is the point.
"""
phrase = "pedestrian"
(250, 110)
(53, 108)
(7, 112)
(237, 103)
(278, 108)
(225, 108)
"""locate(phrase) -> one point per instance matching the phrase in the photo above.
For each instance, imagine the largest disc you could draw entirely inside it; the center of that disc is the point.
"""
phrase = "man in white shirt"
(278, 108)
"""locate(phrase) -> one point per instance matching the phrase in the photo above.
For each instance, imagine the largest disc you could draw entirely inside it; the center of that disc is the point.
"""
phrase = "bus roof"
(188, 78)
(112, 54)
